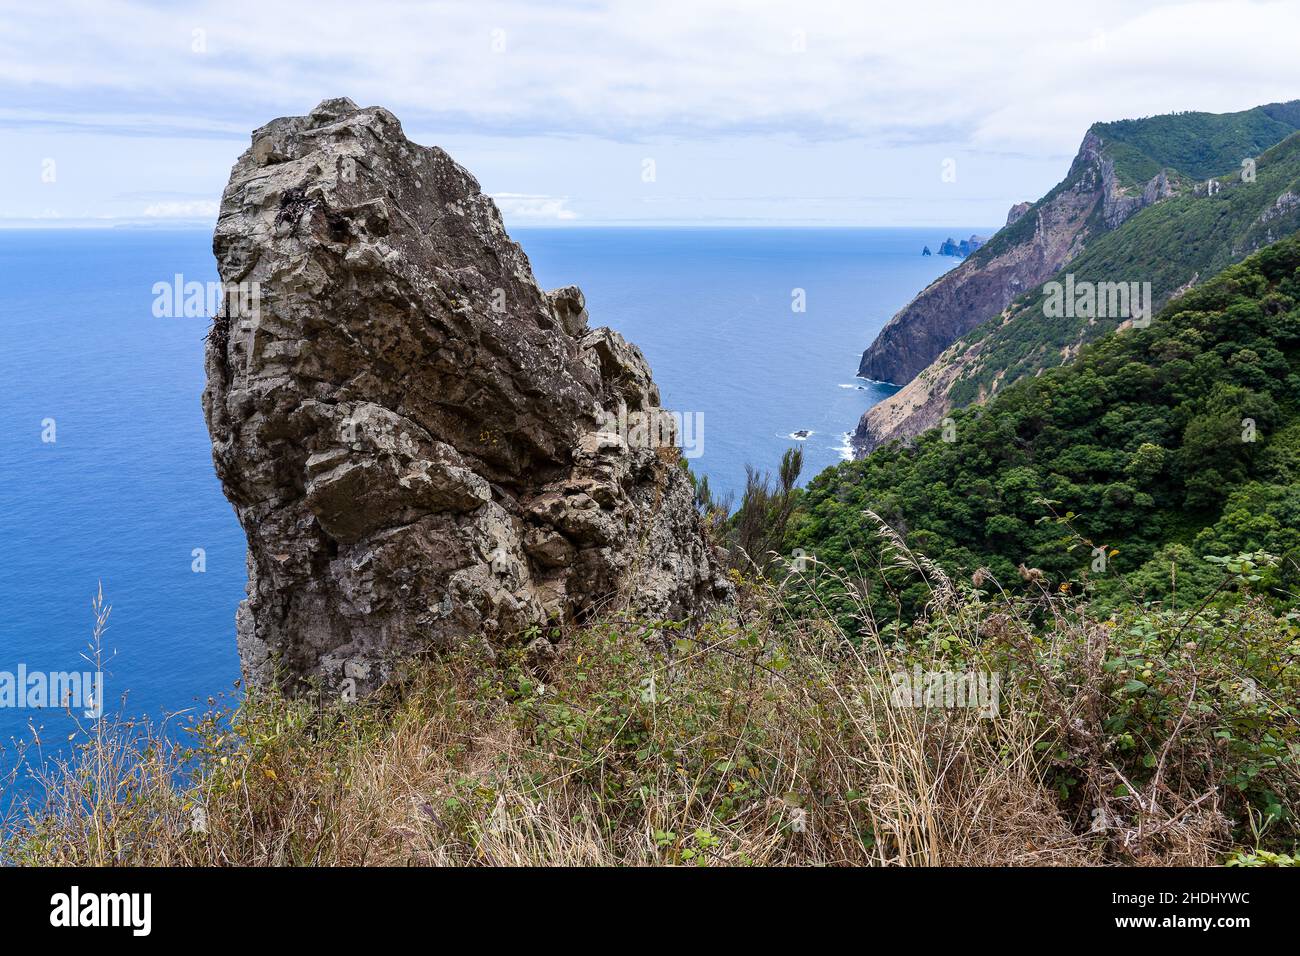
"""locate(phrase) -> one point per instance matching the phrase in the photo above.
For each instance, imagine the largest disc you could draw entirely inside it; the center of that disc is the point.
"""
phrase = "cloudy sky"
(811, 112)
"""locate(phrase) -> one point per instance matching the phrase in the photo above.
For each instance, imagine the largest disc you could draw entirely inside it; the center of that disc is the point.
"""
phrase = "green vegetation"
(1115, 476)
(1147, 712)
(757, 738)
(1187, 146)
(758, 528)
(1199, 145)
(1182, 239)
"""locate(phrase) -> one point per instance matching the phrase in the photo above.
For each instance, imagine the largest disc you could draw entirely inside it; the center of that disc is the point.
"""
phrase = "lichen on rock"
(410, 429)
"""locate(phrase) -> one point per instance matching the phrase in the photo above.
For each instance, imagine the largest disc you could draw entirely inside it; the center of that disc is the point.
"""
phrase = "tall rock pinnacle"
(415, 436)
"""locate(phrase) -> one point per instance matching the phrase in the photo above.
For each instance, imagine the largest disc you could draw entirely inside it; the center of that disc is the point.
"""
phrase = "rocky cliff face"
(918, 406)
(1198, 229)
(1037, 240)
(1014, 261)
(950, 247)
(416, 438)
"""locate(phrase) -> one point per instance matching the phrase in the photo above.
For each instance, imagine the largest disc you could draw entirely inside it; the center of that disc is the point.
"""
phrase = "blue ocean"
(105, 466)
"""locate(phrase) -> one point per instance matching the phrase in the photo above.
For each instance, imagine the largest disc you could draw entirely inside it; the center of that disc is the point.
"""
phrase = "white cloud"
(781, 96)
(1028, 71)
(518, 206)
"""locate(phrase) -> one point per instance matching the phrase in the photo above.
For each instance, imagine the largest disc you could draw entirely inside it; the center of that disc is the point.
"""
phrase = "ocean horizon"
(757, 331)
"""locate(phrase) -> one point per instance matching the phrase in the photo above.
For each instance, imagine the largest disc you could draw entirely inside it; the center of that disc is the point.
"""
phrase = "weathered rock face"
(413, 434)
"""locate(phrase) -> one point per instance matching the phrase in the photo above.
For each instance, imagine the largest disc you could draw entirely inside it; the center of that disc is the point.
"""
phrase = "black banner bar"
(338, 906)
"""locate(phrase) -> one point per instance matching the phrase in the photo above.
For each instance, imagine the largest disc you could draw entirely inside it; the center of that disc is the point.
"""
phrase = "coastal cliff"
(965, 335)
(421, 444)
(1036, 242)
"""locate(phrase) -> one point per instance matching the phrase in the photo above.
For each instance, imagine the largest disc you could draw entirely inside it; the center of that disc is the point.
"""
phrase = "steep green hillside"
(1195, 146)
(1160, 445)
(1136, 205)
(1199, 145)
(1183, 239)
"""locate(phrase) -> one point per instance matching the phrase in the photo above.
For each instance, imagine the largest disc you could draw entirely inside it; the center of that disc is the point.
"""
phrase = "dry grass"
(754, 740)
